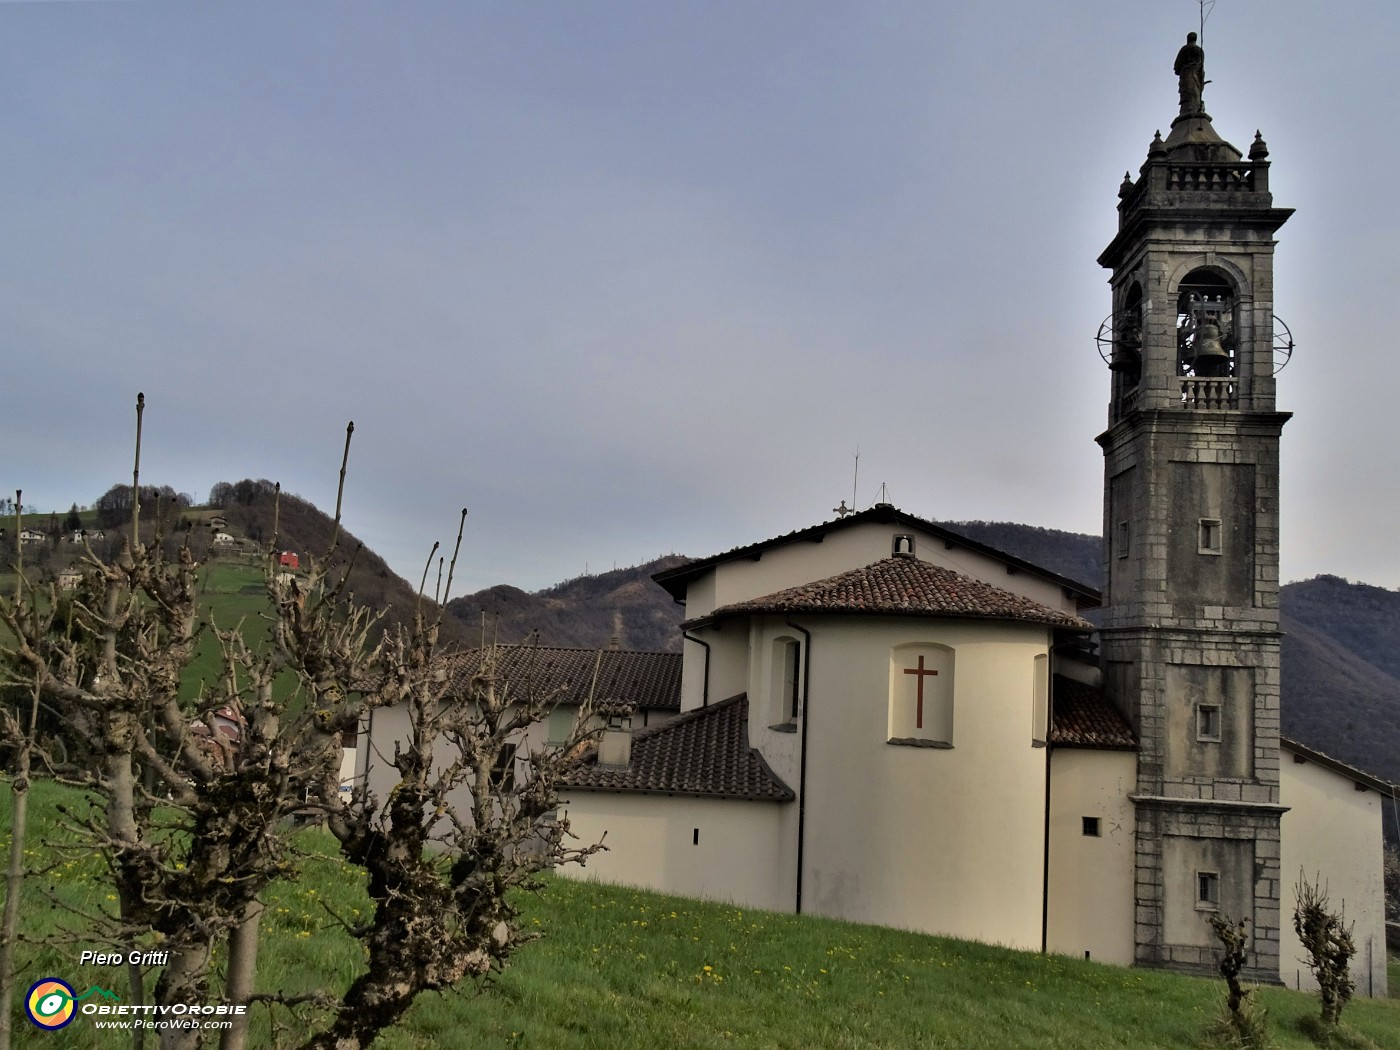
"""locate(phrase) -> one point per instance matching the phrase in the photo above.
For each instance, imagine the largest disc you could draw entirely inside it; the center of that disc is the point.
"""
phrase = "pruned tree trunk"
(241, 978)
(19, 817)
(14, 870)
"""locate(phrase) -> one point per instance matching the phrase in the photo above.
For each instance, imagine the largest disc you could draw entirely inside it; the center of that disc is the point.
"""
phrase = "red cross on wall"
(922, 673)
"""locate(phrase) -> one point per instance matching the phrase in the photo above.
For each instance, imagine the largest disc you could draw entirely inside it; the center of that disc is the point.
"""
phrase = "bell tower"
(1190, 637)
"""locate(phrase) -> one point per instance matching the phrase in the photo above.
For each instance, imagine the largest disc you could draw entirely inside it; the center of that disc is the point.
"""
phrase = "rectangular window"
(1209, 542)
(1122, 539)
(1208, 722)
(561, 724)
(503, 772)
(1091, 826)
(792, 678)
(1040, 701)
(1207, 890)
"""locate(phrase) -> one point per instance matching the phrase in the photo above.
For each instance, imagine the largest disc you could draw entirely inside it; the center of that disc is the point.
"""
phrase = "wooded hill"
(587, 611)
(307, 532)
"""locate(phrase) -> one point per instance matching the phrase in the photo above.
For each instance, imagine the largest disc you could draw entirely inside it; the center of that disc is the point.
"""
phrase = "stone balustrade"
(1209, 393)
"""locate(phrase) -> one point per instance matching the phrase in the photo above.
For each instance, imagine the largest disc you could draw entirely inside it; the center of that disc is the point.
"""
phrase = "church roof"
(678, 579)
(1082, 716)
(648, 680)
(902, 586)
(703, 752)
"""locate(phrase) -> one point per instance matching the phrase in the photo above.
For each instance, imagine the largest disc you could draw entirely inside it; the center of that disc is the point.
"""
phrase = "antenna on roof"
(855, 478)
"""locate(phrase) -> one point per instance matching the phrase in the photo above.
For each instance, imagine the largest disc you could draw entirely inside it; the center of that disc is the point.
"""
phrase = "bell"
(1125, 359)
(1210, 357)
(1127, 351)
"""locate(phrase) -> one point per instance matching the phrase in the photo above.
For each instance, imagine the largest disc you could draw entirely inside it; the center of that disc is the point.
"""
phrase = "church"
(880, 720)
(874, 718)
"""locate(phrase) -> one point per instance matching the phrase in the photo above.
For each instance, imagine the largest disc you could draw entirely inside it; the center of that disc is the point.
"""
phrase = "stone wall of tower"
(1189, 631)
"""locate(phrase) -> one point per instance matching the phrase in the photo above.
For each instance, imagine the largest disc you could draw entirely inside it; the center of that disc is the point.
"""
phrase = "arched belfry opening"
(1205, 326)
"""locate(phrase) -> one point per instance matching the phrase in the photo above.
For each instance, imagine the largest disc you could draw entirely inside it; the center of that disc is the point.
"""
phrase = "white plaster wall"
(390, 724)
(940, 840)
(375, 749)
(802, 561)
(1091, 879)
(739, 856)
(729, 664)
(1333, 831)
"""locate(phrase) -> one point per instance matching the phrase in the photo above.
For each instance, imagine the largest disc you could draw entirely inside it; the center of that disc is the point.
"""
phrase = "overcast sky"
(635, 278)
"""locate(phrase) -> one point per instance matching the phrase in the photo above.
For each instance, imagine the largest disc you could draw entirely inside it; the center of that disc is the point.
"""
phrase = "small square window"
(1208, 722)
(1210, 533)
(1207, 890)
(1091, 826)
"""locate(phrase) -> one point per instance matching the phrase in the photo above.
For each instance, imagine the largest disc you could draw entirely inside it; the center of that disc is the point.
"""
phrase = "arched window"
(921, 695)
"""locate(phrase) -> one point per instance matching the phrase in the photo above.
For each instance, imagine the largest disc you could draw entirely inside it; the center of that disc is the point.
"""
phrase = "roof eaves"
(1359, 776)
(675, 580)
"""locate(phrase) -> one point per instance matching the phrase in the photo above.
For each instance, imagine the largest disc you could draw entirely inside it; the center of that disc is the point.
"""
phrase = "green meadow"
(618, 968)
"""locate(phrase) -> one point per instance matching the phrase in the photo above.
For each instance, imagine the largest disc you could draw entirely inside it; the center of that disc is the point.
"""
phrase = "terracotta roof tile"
(1084, 717)
(703, 752)
(908, 587)
(648, 680)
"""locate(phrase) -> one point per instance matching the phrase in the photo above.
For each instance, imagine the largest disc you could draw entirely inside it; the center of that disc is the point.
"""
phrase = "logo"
(50, 1003)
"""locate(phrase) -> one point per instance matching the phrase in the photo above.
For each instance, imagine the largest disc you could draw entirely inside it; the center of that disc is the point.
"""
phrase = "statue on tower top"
(1190, 68)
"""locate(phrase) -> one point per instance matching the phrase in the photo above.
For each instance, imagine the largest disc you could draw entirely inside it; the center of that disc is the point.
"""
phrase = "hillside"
(1075, 555)
(307, 532)
(1341, 671)
(587, 611)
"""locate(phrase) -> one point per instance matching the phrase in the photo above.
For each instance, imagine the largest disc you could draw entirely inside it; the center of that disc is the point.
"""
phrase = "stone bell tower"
(1190, 635)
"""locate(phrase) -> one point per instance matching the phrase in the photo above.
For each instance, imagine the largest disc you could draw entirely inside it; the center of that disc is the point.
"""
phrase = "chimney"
(615, 745)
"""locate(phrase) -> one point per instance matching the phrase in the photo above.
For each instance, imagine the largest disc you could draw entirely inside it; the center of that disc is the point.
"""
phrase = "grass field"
(618, 968)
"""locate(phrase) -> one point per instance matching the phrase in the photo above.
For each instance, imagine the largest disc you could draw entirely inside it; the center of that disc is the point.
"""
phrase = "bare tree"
(1327, 939)
(1245, 1023)
(227, 768)
(17, 730)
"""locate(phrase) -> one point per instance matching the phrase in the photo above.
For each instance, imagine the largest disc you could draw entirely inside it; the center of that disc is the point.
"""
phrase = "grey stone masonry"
(1189, 632)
